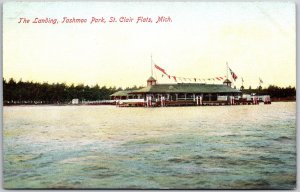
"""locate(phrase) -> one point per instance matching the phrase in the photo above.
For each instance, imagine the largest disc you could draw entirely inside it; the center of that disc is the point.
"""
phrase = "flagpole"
(227, 69)
(151, 67)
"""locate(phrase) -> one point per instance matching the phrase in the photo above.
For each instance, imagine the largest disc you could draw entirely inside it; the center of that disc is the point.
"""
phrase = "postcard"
(149, 95)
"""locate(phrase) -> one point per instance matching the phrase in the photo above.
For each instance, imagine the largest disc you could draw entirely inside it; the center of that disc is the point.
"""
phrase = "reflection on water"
(228, 147)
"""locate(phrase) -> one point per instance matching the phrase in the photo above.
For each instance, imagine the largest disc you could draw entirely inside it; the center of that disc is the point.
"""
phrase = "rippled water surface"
(227, 147)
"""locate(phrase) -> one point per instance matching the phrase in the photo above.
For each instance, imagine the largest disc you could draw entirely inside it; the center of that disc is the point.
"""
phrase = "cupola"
(227, 82)
(151, 81)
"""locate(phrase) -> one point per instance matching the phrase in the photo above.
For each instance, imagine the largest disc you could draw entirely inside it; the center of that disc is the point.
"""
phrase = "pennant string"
(184, 79)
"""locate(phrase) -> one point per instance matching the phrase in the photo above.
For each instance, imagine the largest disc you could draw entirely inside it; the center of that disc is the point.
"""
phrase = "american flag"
(234, 76)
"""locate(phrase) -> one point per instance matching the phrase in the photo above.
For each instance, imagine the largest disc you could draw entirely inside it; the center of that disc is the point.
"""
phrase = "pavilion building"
(178, 94)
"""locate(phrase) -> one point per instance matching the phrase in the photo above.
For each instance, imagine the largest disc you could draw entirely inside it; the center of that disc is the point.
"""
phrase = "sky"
(256, 39)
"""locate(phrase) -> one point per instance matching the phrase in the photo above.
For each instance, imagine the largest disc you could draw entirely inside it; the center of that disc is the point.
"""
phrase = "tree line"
(60, 93)
(274, 91)
(56, 93)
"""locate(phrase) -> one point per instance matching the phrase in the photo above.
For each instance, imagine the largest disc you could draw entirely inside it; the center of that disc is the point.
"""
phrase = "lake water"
(213, 147)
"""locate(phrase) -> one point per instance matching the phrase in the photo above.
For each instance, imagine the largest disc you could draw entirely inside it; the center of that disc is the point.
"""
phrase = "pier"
(254, 100)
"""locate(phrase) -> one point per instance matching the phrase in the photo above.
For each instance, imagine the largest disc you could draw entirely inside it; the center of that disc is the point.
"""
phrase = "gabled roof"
(121, 93)
(187, 88)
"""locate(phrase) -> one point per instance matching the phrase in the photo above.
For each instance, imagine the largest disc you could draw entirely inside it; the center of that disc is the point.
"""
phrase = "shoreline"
(7, 105)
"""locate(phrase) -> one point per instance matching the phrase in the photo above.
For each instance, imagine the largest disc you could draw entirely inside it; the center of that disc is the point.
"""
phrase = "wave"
(283, 138)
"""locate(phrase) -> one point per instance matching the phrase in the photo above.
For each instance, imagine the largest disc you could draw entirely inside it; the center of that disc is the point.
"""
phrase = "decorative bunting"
(194, 79)
(161, 69)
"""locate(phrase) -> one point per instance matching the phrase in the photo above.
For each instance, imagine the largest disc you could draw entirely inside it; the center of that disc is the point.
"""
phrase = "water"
(221, 147)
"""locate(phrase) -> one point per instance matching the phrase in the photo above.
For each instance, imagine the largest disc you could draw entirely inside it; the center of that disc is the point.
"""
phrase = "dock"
(165, 103)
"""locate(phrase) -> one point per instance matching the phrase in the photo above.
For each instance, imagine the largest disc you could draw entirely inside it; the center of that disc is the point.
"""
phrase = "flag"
(161, 69)
(221, 78)
(218, 78)
(174, 78)
(169, 76)
(233, 74)
(260, 80)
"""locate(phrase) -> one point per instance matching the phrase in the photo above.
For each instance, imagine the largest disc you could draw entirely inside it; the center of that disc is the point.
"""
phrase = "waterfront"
(228, 147)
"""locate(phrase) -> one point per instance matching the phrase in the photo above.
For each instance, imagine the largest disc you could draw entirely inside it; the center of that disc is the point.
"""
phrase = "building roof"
(151, 79)
(227, 81)
(121, 93)
(187, 88)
